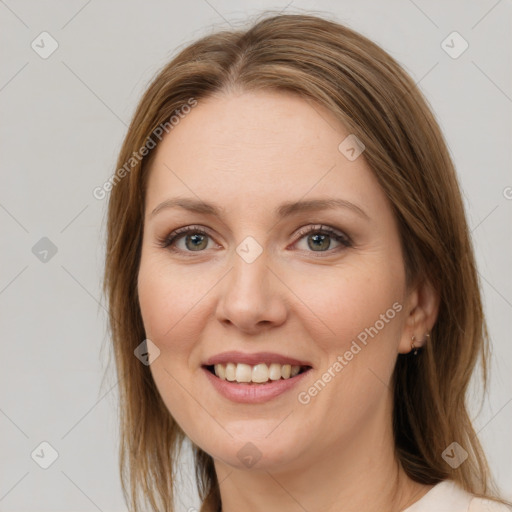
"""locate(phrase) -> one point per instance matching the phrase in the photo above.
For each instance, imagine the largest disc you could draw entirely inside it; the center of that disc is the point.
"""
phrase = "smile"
(248, 391)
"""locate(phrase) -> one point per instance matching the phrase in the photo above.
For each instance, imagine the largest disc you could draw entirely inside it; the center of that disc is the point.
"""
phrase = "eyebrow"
(284, 210)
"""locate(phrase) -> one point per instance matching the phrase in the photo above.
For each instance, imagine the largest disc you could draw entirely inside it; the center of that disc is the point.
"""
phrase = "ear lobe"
(423, 308)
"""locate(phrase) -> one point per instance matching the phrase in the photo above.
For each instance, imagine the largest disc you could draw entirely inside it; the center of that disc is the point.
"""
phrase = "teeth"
(258, 373)
(294, 370)
(230, 371)
(274, 371)
(220, 371)
(243, 373)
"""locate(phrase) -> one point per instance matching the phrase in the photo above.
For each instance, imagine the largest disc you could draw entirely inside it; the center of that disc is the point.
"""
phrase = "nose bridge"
(251, 294)
(250, 268)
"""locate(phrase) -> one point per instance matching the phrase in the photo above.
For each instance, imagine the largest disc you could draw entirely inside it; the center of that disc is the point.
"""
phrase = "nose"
(252, 297)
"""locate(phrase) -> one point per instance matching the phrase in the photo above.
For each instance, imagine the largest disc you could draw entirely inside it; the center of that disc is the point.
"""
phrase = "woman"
(289, 261)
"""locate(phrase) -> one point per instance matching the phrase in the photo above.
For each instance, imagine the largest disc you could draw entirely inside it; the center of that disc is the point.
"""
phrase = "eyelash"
(169, 240)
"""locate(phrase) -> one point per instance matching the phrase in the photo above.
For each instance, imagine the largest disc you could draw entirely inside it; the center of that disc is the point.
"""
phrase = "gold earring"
(413, 339)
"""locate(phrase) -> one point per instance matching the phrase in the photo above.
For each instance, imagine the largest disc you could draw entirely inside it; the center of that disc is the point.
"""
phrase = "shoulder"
(483, 505)
(448, 496)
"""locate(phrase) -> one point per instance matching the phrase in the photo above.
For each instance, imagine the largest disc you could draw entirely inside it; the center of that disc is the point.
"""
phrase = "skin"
(248, 153)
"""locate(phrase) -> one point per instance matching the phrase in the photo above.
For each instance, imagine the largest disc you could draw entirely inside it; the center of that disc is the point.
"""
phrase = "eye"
(195, 239)
(319, 238)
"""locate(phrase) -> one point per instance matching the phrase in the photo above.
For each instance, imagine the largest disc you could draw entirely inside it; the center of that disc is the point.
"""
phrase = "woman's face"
(254, 279)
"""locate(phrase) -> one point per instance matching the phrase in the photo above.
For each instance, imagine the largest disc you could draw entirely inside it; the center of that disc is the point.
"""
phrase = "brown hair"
(368, 91)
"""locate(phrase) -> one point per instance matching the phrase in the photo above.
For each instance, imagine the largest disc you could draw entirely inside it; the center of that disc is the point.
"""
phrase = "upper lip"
(253, 359)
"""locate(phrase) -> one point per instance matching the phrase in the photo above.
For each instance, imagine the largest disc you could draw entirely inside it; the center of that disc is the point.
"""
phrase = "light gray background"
(63, 120)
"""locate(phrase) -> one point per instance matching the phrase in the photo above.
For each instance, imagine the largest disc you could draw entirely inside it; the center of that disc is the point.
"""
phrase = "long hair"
(369, 92)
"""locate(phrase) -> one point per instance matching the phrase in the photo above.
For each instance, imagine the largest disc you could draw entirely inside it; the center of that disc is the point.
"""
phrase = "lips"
(253, 393)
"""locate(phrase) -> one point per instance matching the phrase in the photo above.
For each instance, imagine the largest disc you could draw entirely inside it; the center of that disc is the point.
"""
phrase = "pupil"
(196, 241)
(319, 237)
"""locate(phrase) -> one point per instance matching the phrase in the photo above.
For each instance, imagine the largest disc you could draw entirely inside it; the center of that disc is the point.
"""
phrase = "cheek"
(154, 300)
(166, 302)
(343, 304)
(160, 307)
(361, 312)
(171, 304)
(362, 315)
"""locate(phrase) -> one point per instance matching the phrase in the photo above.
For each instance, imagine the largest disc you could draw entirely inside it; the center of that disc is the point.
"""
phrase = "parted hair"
(322, 61)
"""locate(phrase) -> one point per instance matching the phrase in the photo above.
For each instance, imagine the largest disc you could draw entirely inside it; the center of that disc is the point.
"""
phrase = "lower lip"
(250, 393)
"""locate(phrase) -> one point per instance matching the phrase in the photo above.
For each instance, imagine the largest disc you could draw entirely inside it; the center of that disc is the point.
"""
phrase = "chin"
(254, 450)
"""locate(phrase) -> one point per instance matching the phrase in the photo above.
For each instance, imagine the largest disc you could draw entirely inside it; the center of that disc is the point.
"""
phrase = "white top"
(448, 496)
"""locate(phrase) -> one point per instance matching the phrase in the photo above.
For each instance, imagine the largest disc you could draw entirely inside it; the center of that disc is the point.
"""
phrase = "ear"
(421, 310)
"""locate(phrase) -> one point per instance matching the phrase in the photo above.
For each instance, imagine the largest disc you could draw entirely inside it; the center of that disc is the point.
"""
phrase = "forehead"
(263, 124)
(259, 147)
